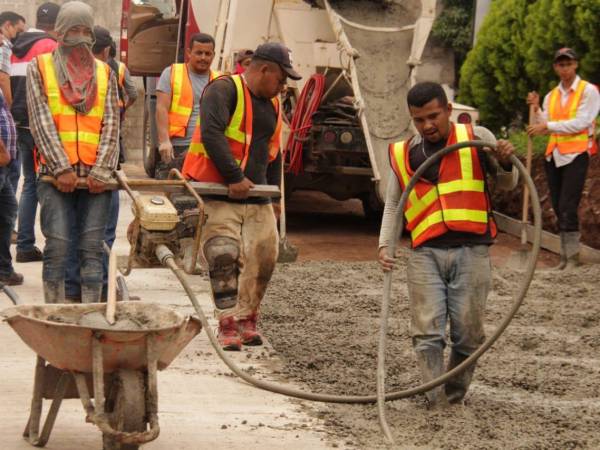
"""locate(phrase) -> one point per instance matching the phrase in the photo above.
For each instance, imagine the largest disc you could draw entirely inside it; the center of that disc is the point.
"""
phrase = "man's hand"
(166, 152)
(4, 155)
(95, 186)
(537, 129)
(66, 181)
(277, 210)
(503, 150)
(387, 263)
(240, 190)
(533, 99)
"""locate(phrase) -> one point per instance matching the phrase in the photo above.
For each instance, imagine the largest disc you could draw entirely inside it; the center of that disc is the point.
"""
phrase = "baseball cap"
(47, 13)
(280, 54)
(103, 39)
(565, 52)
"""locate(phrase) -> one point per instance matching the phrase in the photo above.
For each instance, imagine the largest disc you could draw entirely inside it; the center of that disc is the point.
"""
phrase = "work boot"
(14, 279)
(563, 256)
(248, 331)
(431, 365)
(456, 388)
(228, 336)
(572, 249)
(24, 256)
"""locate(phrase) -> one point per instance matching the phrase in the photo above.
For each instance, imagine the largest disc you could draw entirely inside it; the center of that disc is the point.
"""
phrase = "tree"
(493, 75)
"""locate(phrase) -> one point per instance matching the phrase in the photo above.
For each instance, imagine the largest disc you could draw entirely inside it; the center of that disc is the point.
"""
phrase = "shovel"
(287, 252)
(523, 251)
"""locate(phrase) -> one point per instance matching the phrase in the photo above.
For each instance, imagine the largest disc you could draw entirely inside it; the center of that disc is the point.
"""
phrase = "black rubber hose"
(519, 297)
(166, 257)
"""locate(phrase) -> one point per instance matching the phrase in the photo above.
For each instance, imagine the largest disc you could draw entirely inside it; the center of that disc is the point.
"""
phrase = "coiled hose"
(166, 258)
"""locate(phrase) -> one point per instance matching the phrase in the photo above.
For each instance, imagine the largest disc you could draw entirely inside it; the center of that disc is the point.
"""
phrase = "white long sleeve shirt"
(588, 109)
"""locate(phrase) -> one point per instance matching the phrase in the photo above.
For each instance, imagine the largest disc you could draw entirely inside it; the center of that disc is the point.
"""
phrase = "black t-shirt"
(416, 157)
(216, 108)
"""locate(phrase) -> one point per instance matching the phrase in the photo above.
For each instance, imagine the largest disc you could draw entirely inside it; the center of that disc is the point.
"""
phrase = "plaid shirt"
(8, 132)
(5, 53)
(48, 141)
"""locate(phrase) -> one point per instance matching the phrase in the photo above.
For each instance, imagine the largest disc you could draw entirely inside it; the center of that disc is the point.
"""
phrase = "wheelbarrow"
(116, 367)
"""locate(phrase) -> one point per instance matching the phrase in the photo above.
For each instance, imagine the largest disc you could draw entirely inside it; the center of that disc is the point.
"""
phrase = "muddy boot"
(54, 292)
(572, 249)
(456, 388)
(431, 365)
(248, 332)
(229, 337)
(563, 255)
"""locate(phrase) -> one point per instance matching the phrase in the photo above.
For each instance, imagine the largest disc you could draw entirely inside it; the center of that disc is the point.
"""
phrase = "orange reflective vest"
(182, 99)
(198, 166)
(79, 133)
(458, 202)
(567, 143)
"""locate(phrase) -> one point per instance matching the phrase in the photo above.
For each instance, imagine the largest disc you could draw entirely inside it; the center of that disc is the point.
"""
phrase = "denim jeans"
(14, 170)
(59, 212)
(8, 208)
(72, 277)
(29, 199)
(448, 283)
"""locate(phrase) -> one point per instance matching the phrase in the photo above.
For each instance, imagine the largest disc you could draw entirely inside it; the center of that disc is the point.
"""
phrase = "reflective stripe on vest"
(79, 133)
(182, 99)
(121, 82)
(197, 164)
(567, 143)
(458, 202)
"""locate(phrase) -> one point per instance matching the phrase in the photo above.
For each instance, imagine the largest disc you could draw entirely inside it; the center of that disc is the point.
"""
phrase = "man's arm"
(506, 175)
(163, 104)
(5, 74)
(42, 124)
(4, 155)
(392, 199)
(130, 89)
(585, 116)
(108, 150)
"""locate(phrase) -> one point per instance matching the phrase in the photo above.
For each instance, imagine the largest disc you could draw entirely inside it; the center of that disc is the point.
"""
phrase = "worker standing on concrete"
(568, 116)
(178, 94)
(239, 145)
(74, 119)
(449, 217)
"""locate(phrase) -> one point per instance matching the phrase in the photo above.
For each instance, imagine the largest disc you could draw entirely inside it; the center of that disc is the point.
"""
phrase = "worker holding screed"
(449, 216)
(568, 116)
(74, 120)
(238, 144)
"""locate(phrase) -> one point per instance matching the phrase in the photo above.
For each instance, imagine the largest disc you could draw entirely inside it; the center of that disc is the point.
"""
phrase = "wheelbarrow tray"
(52, 331)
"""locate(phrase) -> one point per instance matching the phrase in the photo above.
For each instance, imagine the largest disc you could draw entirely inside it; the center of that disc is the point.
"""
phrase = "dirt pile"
(537, 388)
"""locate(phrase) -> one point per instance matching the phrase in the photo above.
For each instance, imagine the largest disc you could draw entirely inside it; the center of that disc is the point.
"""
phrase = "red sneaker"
(228, 336)
(248, 333)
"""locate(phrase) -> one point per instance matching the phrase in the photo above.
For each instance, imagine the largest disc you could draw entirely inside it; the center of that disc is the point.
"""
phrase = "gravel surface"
(538, 387)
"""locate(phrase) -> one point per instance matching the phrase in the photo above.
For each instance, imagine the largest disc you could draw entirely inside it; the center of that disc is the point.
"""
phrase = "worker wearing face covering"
(74, 119)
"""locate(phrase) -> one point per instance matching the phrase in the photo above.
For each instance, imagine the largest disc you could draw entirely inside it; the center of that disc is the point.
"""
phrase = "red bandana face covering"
(77, 76)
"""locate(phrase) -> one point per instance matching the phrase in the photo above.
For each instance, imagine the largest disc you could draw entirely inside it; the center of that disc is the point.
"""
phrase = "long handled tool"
(524, 248)
(287, 252)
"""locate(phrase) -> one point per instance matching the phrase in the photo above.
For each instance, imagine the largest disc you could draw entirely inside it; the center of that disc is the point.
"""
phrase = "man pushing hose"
(449, 216)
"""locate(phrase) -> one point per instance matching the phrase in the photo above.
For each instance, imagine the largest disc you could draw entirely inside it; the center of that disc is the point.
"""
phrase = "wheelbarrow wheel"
(126, 407)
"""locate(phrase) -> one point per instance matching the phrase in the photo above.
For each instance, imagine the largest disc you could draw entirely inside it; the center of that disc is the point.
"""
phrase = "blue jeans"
(59, 212)
(29, 199)
(14, 170)
(8, 208)
(72, 276)
(448, 283)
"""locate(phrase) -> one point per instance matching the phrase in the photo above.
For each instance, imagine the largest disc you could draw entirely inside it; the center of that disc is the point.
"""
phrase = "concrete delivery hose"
(166, 258)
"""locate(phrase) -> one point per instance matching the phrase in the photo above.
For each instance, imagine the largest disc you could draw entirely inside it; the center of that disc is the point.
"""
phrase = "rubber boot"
(572, 249)
(563, 255)
(54, 292)
(456, 388)
(229, 337)
(431, 365)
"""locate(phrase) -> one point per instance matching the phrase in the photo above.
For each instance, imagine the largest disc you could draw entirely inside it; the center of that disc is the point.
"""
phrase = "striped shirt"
(8, 132)
(48, 141)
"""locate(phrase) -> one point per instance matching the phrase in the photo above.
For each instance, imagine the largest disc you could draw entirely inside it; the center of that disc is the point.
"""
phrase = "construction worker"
(74, 119)
(568, 116)
(178, 95)
(29, 44)
(239, 145)
(451, 226)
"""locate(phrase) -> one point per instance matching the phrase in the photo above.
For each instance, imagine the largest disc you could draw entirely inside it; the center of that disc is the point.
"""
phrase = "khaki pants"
(255, 229)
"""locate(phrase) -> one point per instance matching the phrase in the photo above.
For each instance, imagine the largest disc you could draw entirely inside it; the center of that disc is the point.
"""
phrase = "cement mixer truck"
(358, 58)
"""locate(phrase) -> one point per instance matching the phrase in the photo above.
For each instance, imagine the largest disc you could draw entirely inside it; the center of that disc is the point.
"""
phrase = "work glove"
(166, 152)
